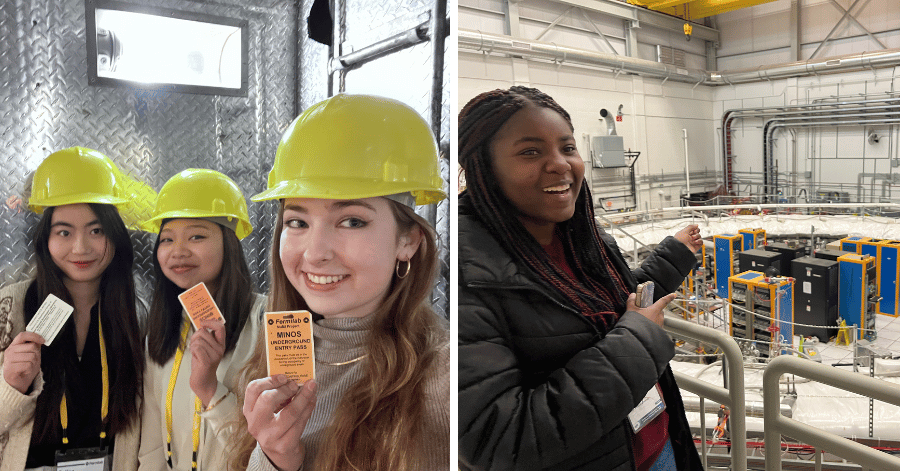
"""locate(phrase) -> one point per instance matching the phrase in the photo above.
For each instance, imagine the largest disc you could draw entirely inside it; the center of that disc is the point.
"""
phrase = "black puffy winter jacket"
(539, 389)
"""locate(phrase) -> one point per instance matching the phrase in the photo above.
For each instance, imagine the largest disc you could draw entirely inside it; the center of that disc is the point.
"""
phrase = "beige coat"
(17, 410)
(217, 423)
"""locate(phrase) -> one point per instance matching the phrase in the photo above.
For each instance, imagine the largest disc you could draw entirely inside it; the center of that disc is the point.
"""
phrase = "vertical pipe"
(334, 81)
(439, 31)
(687, 165)
(703, 429)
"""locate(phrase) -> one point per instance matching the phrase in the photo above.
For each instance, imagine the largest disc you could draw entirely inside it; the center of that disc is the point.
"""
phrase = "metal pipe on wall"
(400, 41)
(773, 124)
(816, 109)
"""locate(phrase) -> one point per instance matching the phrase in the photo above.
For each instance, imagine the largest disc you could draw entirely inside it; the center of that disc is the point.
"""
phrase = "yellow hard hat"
(356, 146)
(201, 193)
(76, 175)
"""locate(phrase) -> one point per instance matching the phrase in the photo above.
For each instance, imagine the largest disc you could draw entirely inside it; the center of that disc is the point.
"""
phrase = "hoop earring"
(406, 273)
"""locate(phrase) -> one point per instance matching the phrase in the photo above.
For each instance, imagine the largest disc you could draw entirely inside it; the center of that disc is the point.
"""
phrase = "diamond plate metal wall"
(365, 22)
(46, 105)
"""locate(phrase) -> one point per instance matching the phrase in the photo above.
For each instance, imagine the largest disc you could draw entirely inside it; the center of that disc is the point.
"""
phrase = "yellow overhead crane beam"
(696, 9)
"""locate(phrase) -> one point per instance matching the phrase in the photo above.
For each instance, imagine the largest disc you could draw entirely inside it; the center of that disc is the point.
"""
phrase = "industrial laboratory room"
(226, 235)
(677, 235)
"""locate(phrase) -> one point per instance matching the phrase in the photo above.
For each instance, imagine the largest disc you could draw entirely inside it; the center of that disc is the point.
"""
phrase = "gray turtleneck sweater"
(341, 340)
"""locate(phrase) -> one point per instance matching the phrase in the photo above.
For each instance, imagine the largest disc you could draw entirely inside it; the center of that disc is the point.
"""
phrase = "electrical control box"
(853, 244)
(888, 271)
(775, 300)
(753, 238)
(760, 260)
(870, 247)
(858, 293)
(830, 254)
(740, 294)
(608, 151)
(727, 248)
(768, 310)
(788, 253)
(815, 297)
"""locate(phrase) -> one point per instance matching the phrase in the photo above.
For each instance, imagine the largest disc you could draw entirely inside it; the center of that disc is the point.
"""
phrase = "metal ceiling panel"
(46, 105)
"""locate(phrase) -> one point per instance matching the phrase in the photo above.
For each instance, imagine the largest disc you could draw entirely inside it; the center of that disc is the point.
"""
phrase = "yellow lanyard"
(104, 403)
(172, 378)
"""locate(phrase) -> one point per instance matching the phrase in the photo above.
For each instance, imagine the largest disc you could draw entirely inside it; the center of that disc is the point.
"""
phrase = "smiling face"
(77, 243)
(340, 254)
(538, 168)
(191, 251)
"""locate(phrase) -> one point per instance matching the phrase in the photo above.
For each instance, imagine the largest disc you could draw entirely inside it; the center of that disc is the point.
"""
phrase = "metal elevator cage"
(46, 104)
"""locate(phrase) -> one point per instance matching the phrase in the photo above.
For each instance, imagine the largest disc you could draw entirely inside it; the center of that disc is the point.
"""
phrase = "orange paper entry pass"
(289, 345)
(199, 305)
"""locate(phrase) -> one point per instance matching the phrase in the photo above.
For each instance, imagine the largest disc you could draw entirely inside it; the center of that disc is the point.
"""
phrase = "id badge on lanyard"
(84, 459)
(648, 409)
(94, 458)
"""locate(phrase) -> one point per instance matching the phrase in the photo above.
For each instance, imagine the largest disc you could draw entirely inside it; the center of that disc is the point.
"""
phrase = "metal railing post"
(733, 397)
(776, 424)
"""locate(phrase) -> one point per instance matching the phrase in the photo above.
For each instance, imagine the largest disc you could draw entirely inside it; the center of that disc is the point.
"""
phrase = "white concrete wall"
(657, 111)
(760, 35)
(654, 114)
(832, 157)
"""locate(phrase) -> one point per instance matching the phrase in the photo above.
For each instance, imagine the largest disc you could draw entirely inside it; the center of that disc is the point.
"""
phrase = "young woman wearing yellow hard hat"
(348, 247)
(191, 374)
(77, 397)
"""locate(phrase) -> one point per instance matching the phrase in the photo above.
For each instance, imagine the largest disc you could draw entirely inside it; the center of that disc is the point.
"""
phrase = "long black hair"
(599, 291)
(120, 327)
(234, 298)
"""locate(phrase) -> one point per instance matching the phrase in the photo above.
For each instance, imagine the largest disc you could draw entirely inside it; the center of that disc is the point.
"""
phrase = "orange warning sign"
(289, 345)
(199, 305)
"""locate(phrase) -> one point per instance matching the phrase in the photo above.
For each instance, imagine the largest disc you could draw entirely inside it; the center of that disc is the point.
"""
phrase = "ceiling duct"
(497, 43)
(610, 122)
(830, 65)
(500, 44)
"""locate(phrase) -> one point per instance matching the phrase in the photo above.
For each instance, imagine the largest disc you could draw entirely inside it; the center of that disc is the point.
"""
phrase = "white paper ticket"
(49, 318)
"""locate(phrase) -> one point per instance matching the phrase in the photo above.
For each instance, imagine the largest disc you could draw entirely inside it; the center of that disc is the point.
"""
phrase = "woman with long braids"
(80, 396)
(553, 352)
(349, 248)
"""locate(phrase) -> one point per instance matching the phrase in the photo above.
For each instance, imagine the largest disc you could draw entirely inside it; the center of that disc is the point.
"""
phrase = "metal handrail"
(732, 397)
(776, 424)
(637, 243)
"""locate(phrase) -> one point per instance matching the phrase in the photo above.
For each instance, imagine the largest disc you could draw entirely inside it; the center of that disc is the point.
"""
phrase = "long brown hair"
(377, 425)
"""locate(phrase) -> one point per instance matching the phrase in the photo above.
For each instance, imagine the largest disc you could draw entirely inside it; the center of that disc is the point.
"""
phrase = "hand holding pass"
(277, 411)
(207, 350)
(22, 361)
